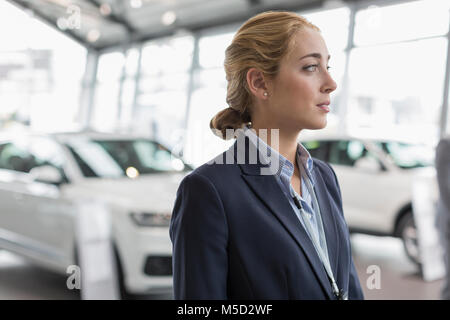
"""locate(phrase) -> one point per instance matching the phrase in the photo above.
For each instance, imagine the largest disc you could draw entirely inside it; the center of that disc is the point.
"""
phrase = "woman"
(240, 232)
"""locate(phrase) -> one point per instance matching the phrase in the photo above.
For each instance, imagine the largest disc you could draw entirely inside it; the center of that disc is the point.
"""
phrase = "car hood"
(423, 171)
(155, 192)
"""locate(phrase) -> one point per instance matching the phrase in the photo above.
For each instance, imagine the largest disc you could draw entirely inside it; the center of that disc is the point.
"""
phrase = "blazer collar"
(269, 192)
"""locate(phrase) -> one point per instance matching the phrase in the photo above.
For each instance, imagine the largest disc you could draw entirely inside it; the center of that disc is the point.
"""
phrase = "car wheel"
(407, 231)
(76, 262)
(123, 293)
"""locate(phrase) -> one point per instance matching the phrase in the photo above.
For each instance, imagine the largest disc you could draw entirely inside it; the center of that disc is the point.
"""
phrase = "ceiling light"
(61, 23)
(168, 18)
(136, 4)
(93, 35)
(332, 4)
(105, 9)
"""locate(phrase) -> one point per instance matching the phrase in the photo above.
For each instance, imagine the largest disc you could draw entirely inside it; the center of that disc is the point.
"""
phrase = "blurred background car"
(376, 178)
(44, 178)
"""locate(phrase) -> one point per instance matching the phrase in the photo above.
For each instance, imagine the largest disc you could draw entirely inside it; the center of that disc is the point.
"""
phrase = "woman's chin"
(318, 125)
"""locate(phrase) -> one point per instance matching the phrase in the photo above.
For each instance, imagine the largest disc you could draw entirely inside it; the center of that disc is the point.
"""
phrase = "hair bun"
(230, 119)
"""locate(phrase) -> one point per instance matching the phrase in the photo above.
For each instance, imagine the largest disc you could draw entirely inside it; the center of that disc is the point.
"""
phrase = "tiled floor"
(399, 278)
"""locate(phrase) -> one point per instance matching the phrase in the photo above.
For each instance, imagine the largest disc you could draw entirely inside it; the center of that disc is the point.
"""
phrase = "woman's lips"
(324, 108)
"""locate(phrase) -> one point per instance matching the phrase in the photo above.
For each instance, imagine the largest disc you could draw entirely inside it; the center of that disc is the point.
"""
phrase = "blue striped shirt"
(284, 176)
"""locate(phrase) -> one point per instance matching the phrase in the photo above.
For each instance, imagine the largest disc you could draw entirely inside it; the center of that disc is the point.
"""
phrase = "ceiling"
(101, 24)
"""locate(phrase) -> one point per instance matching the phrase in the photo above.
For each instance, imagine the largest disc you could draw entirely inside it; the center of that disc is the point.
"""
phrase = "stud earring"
(265, 94)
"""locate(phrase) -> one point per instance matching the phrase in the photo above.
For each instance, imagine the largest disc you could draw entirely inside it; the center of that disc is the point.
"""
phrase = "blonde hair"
(261, 42)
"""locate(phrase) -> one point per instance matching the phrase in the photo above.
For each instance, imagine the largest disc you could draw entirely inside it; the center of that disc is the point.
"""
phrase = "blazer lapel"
(329, 223)
(270, 193)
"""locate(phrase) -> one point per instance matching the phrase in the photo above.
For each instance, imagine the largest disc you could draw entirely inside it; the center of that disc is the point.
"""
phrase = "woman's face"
(301, 84)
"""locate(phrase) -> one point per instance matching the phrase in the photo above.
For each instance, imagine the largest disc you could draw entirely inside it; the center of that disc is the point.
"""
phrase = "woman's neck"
(287, 140)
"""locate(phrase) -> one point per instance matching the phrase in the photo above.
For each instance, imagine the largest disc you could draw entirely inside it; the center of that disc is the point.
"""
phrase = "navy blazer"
(235, 236)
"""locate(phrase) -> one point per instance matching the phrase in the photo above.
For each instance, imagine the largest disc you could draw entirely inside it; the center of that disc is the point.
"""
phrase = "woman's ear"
(257, 83)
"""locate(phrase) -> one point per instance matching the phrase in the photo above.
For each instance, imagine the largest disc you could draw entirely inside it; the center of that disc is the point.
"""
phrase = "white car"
(44, 178)
(376, 178)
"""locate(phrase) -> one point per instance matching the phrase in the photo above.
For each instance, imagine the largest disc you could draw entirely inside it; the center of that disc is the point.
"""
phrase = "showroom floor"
(399, 278)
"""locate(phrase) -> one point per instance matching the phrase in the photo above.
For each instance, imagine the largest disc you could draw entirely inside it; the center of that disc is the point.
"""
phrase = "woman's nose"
(330, 85)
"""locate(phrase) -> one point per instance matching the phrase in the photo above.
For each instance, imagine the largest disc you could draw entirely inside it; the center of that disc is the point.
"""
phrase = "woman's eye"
(314, 66)
(311, 66)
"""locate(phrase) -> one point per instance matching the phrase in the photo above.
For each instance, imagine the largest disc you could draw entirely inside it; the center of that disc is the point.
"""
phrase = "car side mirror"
(46, 174)
(368, 164)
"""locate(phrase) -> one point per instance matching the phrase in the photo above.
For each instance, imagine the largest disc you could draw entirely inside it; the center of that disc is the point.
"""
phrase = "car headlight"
(147, 219)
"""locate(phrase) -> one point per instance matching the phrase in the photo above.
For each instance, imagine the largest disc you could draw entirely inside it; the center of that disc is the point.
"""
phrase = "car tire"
(407, 231)
(76, 262)
(123, 293)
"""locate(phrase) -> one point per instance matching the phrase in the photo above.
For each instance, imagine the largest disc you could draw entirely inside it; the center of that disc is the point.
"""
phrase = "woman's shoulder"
(327, 172)
(217, 170)
(323, 166)
(328, 175)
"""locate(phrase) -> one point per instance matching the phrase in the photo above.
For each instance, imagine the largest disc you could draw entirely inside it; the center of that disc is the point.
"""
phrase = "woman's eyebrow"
(315, 55)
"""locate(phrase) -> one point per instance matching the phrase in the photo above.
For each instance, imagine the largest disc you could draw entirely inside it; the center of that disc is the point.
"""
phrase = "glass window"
(201, 144)
(207, 98)
(120, 158)
(210, 78)
(46, 152)
(418, 19)
(15, 157)
(41, 70)
(317, 149)
(397, 88)
(86, 170)
(106, 106)
(334, 25)
(164, 113)
(104, 115)
(163, 89)
(164, 83)
(25, 155)
(110, 66)
(212, 50)
(161, 107)
(132, 62)
(408, 156)
(347, 153)
(127, 100)
(153, 156)
(168, 55)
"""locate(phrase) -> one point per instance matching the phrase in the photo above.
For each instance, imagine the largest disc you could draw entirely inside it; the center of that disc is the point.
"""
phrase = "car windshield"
(408, 156)
(120, 158)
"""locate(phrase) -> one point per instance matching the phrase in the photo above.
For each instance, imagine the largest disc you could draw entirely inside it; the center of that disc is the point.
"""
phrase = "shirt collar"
(305, 157)
(286, 167)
